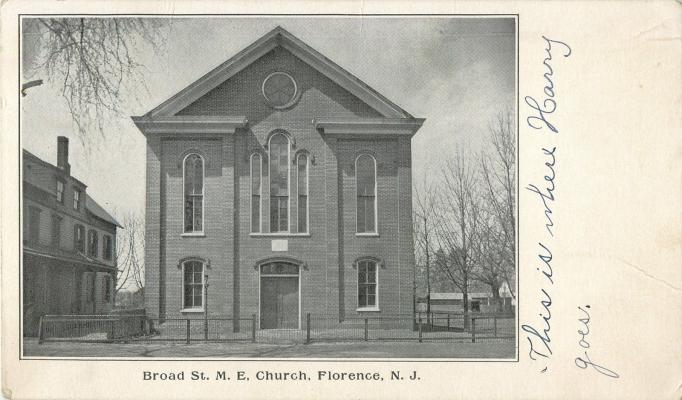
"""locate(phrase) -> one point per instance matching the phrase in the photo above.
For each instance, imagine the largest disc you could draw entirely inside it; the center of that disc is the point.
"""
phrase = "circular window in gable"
(280, 90)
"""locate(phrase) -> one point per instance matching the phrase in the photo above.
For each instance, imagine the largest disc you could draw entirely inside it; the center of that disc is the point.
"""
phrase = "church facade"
(278, 184)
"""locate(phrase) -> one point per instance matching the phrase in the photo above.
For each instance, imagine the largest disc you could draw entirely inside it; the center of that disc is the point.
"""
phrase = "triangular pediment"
(278, 37)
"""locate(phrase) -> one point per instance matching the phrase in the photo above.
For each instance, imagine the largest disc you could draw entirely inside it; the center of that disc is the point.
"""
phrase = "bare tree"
(458, 225)
(130, 254)
(425, 213)
(489, 255)
(498, 171)
(91, 60)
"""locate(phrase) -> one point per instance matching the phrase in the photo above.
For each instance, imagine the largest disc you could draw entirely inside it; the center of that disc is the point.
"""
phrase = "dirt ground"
(486, 349)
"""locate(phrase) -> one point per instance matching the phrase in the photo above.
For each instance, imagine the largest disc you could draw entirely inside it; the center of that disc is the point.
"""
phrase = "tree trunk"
(465, 305)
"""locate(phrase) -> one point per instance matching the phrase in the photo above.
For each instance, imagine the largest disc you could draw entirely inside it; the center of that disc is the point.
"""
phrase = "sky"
(458, 73)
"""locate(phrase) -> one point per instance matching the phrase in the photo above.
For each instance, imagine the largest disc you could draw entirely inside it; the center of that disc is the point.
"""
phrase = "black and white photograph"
(356, 199)
(273, 187)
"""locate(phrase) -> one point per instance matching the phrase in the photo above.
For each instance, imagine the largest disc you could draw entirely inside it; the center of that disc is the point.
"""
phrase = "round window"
(280, 89)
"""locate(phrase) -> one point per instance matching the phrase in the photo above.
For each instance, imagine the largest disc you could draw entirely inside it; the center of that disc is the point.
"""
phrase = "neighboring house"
(69, 262)
(480, 300)
(284, 182)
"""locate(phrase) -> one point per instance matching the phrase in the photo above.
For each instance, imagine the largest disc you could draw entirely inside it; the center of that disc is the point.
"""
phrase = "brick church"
(279, 184)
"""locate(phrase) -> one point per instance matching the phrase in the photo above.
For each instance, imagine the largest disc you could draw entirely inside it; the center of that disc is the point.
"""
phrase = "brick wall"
(329, 284)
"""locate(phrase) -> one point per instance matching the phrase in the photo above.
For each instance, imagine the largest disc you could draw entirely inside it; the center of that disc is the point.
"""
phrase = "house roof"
(35, 158)
(460, 296)
(93, 207)
(277, 37)
(90, 204)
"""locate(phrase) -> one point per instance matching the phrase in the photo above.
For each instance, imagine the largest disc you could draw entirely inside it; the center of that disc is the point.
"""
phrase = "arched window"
(256, 189)
(365, 178)
(279, 183)
(193, 173)
(368, 284)
(302, 168)
(192, 284)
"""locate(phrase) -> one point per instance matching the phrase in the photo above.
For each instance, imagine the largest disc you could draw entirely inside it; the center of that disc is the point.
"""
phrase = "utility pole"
(206, 307)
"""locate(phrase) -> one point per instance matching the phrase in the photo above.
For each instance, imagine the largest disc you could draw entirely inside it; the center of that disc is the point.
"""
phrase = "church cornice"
(368, 126)
(189, 124)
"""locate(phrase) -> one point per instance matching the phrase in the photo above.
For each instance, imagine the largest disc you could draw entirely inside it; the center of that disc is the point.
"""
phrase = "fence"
(432, 327)
(90, 328)
(133, 328)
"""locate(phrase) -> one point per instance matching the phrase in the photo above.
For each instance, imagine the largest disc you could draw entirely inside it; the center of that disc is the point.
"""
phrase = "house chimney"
(63, 154)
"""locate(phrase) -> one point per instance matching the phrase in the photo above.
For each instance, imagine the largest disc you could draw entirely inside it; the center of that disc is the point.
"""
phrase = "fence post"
(112, 328)
(253, 328)
(366, 326)
(448, 329)
(495, 325)
(41, 331)
(420, 327)
(307, 328)
(188, 330)
(473, 329)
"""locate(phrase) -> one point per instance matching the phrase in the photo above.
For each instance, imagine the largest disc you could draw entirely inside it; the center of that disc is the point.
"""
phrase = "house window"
(34, 224)
(367, 284)
(256, 190)
(92, 243)
(79, 238)
(279, 183)
(193, 284)
(56, 230)
(365, 178)
(107, 248)
(60, 191)
(194, 193)
(76, 199)
(302, 164)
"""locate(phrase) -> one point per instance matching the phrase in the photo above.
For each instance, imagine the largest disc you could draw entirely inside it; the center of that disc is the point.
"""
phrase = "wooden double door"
(279, 301)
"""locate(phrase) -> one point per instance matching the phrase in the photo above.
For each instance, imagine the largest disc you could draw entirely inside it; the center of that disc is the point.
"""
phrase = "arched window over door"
(193, 180)
(279, 295)
(279, 182)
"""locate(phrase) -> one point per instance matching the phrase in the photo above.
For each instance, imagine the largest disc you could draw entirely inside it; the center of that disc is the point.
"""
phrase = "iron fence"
(90, 328)
(423, 327)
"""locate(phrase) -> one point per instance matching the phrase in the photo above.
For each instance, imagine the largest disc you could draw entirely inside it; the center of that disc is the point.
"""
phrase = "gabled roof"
(90, 204)
(278, 37)
(93, 207)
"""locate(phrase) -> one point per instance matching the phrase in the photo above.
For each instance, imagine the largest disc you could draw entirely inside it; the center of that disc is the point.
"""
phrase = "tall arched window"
(365, 178)
(256, 188)
(302, 168)
(279, 183)
(193, 174)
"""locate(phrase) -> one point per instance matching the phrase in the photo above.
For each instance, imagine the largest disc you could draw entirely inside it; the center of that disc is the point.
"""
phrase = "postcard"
(356, 199)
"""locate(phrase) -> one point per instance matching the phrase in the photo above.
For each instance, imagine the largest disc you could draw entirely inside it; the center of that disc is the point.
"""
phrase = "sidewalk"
(491, 349)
